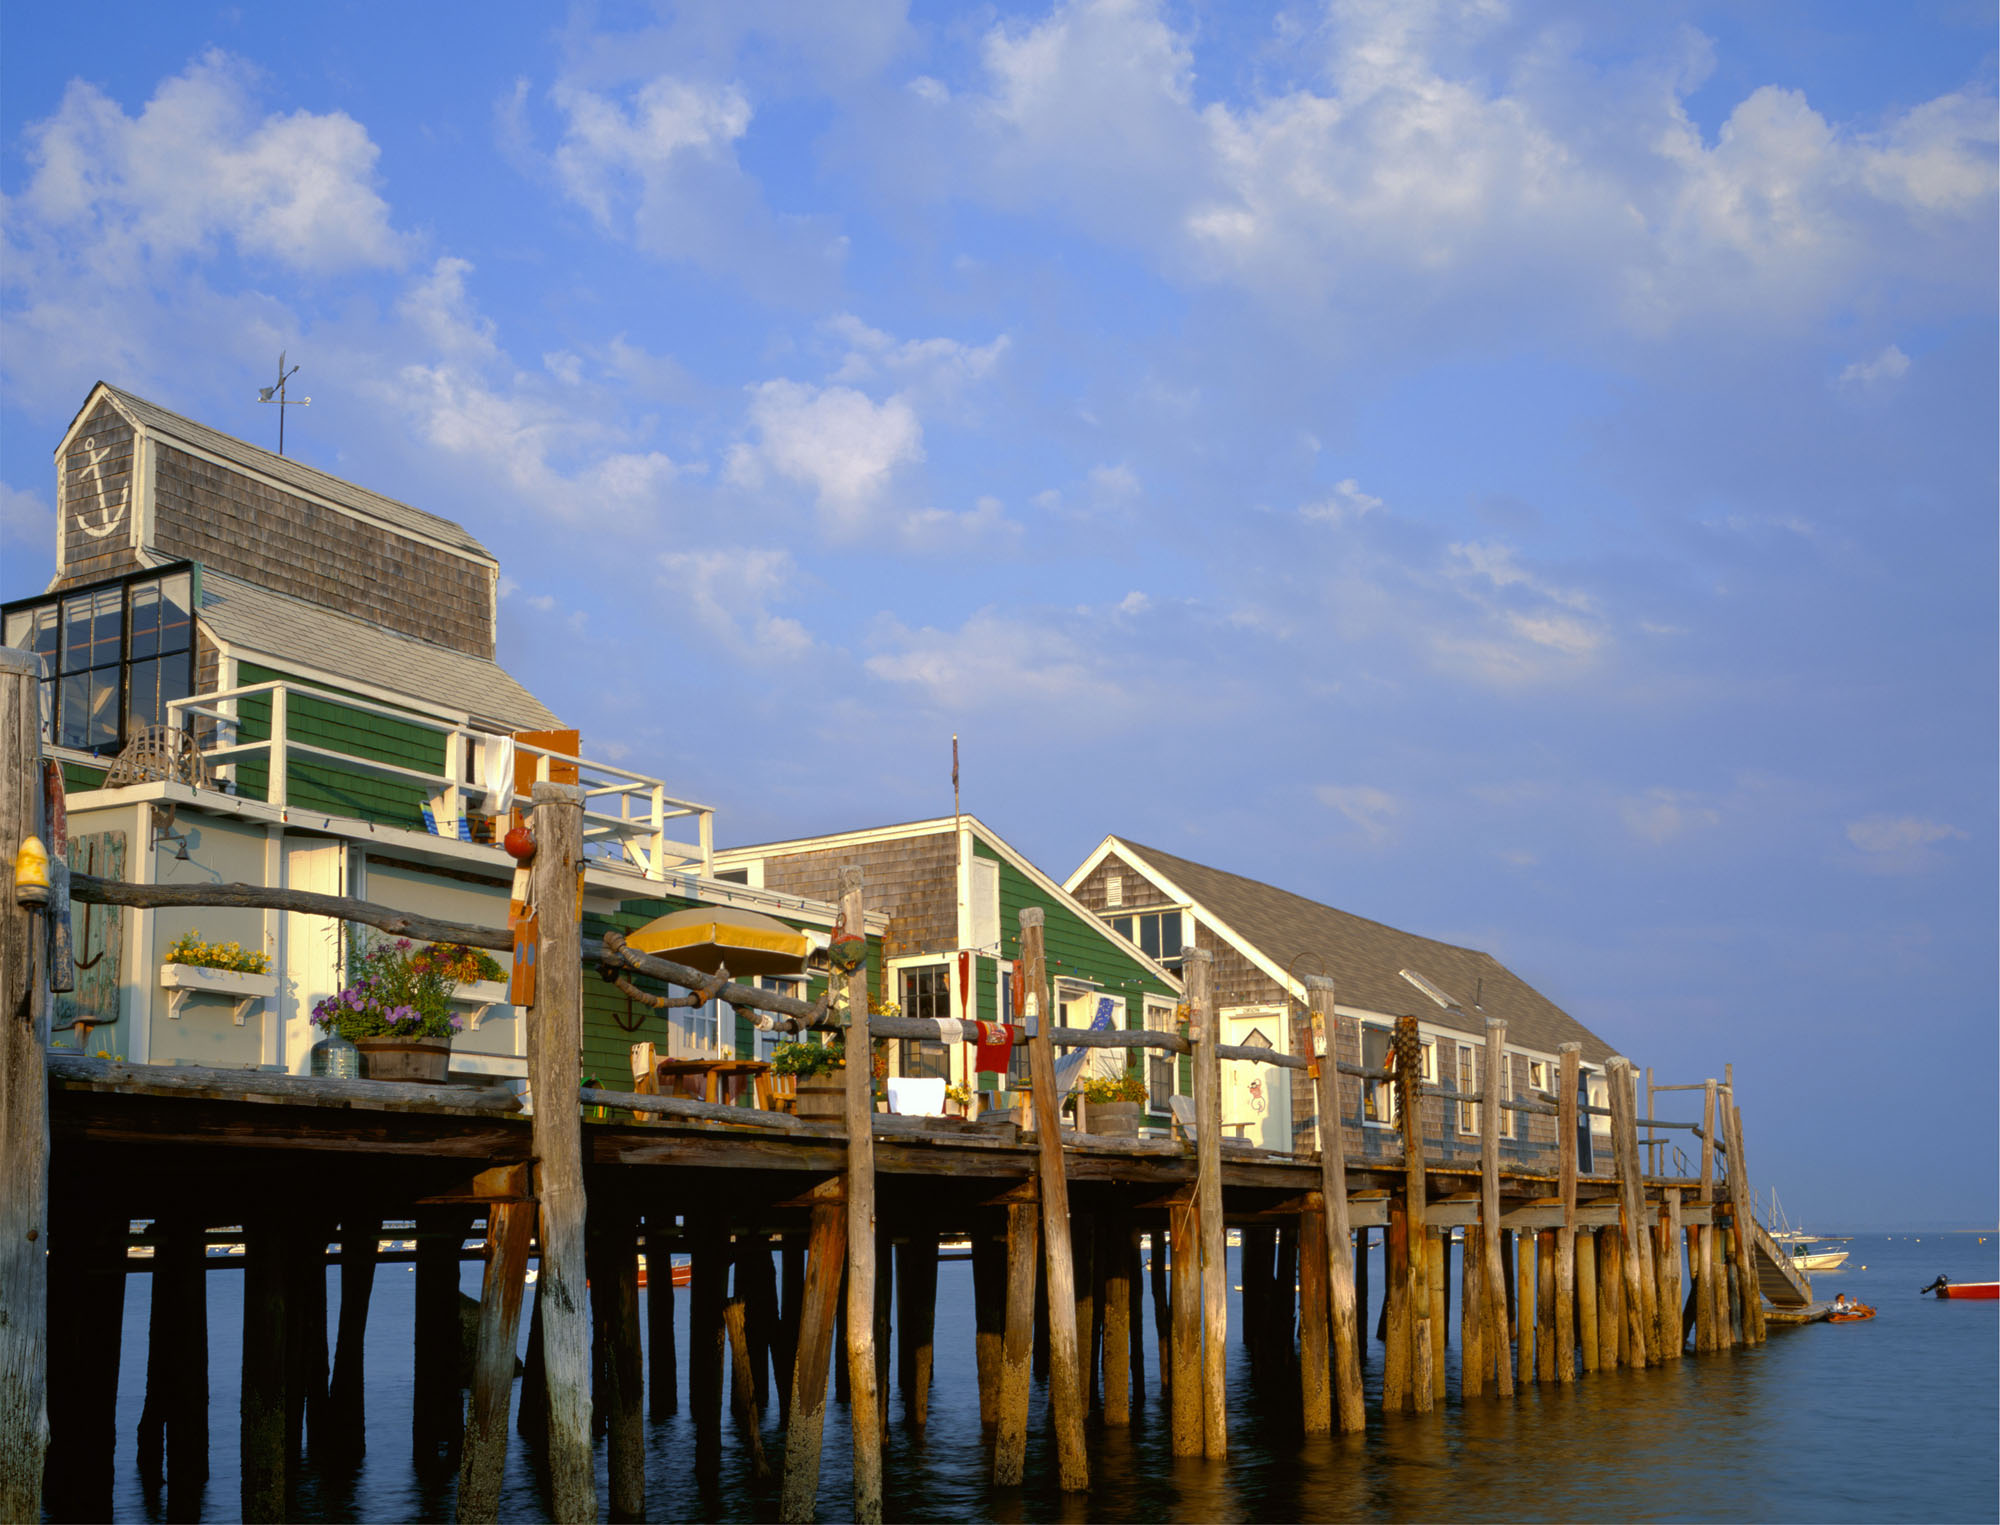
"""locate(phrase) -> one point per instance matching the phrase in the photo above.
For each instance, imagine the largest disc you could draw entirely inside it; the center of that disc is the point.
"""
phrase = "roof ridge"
(1318, 905)
(213, 574)
(284, 465)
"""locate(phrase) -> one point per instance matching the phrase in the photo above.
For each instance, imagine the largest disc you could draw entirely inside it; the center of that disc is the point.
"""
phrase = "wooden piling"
(305, 1333)
(1631, 1211)
(1184, 1391)
(826, 1252)
(1010, 1436)
(708, 1292)
(1493, 1296)
(865, 1405)
(531, 1418)
(744, 1385)
(1739, 1187)
(1610, 1276)
(1156, 1274)
(264, 1465)
(1586, 1299)
(1409, 1076)
(555, 1047)
(1396, 1349)
(917, 1313)
(1315, 1367)
(1065, 1370)
(1569, 1076)
(1525, 1307)
(1472, 1358)
(1545, 1305)
(662, 1360)
(1670, 1293)
(24, 1117)
(1204, 1032)
(1284, 1293)
(1135, 1316)
(989, 1319)
(624, 1420)
(509, 1227)
(345, 1430)
(435, 1414)
(1257, 1247)
(785, 1349)
(1083, 1268)
(173, 1423)
(761, 1325)
(1701, 1259)
(1114, 1266)
(885, 1294)
(1435, 1248)
(1343, 1277)
(88, 1228)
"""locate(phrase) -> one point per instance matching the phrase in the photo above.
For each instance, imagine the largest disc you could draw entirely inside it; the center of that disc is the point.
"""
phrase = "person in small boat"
(1841, 1304)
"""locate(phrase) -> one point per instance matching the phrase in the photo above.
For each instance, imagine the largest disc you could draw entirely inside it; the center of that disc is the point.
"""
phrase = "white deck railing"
(635, 832)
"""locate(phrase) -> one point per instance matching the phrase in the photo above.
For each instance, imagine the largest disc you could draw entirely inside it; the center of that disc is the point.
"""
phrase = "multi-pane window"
(926, 992)
(1380, 1101)
(1157, 934)
(1468, 1111)
(1160, 1067)
(112, 656)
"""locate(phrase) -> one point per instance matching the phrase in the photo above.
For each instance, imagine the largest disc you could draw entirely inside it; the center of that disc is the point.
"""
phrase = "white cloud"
(200, 166)
(729, 593)
(27, 523)
(439, 309)
(1372, 811)
(838, 441)
(996, 658)
(1522, 626)
(937, 529)
(1886, 834)
(939, 366)
(1891, 365)
(1347, 502)
(1660, 815)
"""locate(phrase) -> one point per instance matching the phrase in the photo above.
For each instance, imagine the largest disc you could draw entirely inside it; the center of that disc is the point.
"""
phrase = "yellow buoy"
(31, 873)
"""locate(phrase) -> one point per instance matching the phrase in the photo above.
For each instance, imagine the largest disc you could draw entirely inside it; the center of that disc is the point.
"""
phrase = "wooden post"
(744, 1385)
(1010, 1437)
(1257, 1245)
(1083, 1266)
(264, 1463)
(1204, 1032)
(1315, 1394)
(1362, 1297)
(89, 1224)
(708, 1291)
(1631, 1210)
(1569, 1068)
(1524, 1306)
(173, 1425)
(509, 1226)
(24, 1116)
(1671, 1293)
(1184, 1392)
(989, 1318)
(1434, 1276)
(825, 1251)
(1586, 1299)
(1343, 1320)
(662, 1361)
(1545, 1305)
(1739, 1177)
(1284, 1293)
(760, 1313)
(1409, 1077)
(865, 1408)
(1472, 1358)
(1610, 1277)
(1114, 1266)
(531, 1418)
(1156, 1272)
(346, 1397)
(615, 1291)
(1135, 1315)
(555, 1072)
(1396, 1394)
(1494, 1293)
(1701, 1259)
(785, 1350)
(435, 1413)
(885, 1289)
(1722, 1271)
(1643, 1242)
(918, 1286)
(1065, 1371)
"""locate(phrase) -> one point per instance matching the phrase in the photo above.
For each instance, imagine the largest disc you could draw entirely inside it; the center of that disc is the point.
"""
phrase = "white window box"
(482, 996)
(245, 990)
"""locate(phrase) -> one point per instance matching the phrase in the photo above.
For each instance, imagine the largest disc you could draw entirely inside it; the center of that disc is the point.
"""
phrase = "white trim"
(276, 871)
(962, 855)
(139, 956)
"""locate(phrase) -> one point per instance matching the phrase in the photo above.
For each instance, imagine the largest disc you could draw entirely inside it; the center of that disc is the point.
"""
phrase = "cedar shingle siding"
(95, 492)
(914, 880)
(277, 539)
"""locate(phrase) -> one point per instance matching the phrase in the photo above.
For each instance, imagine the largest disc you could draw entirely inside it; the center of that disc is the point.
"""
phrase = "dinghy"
(1944, 1286)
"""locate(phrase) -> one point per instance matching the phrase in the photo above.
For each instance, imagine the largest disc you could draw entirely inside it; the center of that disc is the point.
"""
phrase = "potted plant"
(396, 1008)
(957, 1097)
(819, 1077)
(194, 967)
(1114, 1103)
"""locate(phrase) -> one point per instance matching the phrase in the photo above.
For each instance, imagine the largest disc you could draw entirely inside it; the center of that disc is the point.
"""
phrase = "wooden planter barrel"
(424, 1060)
(1119, 1119)
(823, 1095)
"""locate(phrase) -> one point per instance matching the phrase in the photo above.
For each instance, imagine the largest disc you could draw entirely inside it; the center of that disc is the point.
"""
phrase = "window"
(1380, 1101)
(1161, 1070)
(112, 656)
(1114, 889)
(1017, 1060)
(1468, 1111)
(1157, 934)
(1538, 1075)
(925, 992)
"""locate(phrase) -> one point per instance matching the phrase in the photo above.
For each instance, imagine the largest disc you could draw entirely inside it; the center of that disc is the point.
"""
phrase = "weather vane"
(276, 396)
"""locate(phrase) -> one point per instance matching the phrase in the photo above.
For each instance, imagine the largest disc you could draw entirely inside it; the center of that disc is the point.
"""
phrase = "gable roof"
(293, 473)
(294, 634)
(1366, 958)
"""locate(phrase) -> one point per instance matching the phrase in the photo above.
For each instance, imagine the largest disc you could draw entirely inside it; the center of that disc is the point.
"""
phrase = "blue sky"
(1525, 474)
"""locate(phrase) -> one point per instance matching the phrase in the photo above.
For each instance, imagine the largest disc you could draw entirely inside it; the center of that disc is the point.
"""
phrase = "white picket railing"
(636, 832)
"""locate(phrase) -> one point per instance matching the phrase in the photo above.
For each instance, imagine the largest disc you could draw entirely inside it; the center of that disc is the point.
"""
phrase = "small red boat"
(683, 1272)
(1850, 1313)
(1945, 1287)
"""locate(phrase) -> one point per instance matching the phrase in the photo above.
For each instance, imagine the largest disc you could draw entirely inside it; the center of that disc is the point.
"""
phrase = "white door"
(312, 949)
(1256, 1094)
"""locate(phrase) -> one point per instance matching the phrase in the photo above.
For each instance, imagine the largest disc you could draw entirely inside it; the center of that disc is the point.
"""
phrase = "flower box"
(482, 996)
(183, 980)
(426, 1061)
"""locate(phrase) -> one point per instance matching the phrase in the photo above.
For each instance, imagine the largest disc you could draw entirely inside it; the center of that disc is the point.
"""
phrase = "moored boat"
(1944, 1286)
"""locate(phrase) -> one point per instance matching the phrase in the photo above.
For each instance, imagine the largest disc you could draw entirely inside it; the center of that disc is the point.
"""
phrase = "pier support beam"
(708, 1291)
(509, 1227)
(1472, 1362)
(916, 1289)
(1205, 1032)
(1586, 1299)
(1010, 1437)
(989, 1319)
(662, 1360)
(826, 1252)
(743, 1385)
(1114, 1267)
(173, 1423)
(1184, 1392)
(614, 1293)
(86, 1321)
(1631, 1212)
(265, 1467)
(865, 1407)
(435, 1412)
(1569, 1077)
(1493, 1295)
(346, 1398)
(1315, 1367)
(1343, 1277)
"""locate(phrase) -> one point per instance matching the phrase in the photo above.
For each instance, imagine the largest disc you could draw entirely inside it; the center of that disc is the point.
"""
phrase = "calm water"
(1898, 1419)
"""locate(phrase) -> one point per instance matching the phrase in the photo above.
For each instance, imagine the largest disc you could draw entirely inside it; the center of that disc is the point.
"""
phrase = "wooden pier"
(789, 1223)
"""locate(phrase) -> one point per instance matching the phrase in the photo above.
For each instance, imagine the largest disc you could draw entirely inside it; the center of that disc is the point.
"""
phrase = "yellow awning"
(708, 937)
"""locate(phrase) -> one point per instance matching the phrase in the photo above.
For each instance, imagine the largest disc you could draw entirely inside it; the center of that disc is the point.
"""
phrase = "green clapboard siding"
(1073, 945)
(607, 1045)
(320, 784)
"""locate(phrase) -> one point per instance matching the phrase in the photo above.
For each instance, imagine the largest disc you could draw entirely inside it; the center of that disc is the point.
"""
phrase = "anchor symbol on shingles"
(93, 469)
